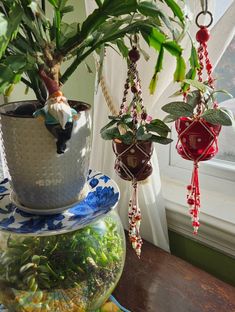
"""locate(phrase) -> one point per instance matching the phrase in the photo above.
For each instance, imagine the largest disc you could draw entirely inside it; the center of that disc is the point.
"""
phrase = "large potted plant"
(33, 48)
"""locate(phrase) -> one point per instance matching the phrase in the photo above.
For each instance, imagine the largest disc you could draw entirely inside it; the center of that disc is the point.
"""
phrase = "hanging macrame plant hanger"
(197, 138)
(133, 161)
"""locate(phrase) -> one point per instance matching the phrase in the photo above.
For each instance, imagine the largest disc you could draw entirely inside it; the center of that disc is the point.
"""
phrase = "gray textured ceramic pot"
(41, 179)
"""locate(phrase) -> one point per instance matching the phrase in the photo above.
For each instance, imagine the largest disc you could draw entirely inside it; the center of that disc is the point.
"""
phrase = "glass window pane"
(225, 73)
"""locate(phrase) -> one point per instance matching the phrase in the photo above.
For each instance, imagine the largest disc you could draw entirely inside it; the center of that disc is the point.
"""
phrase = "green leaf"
(31, 282)
(154, 38)
(194, 98)
(67, 9)
(3, 25)
(196, 84)
(36, 259)
(170, 118)
(153, 84)
(142, 135)
(194, 58)
(160, 140)
(173, 48)
(158, 68)
(54, 3)
(110, 134)
(148, 8)
(122, 47)
(68, 31)
(179, 74)
(27, 266)
(158, 126)
(178, 109)
(218, 117)
(127, 138)
(16, 62)
(6, 78)
(222, 91)
(175, 9)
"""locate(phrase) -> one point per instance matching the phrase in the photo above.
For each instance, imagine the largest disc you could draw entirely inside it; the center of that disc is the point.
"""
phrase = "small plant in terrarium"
(79, 269)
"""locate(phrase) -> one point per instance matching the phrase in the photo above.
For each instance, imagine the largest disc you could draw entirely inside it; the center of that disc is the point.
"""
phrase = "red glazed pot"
(197, 138)
(133, 161)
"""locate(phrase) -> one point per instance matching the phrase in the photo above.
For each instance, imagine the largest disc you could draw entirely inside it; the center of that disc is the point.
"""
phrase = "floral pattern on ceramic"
(102, 197)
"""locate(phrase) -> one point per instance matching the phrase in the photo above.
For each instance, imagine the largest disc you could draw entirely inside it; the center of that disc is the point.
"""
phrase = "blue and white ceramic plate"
(102, 197)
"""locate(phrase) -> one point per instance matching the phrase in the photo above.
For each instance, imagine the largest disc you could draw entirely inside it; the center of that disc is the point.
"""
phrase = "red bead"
(191, 201)
(196, 223)
(203, 35)
(208, 66)
(189, 187)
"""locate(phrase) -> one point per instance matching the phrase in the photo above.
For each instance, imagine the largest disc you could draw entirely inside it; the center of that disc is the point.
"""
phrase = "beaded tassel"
(138, 115)
(134, 220)
(193, 198)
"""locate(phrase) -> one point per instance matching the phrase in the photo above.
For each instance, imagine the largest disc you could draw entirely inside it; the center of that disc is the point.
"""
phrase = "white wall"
(81, 84)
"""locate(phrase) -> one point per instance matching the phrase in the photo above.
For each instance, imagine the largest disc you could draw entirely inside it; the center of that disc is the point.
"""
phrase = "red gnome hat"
(51, 85)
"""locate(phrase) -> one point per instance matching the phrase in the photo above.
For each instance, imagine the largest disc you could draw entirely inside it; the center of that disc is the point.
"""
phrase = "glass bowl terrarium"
(70, 261)
(75, 271)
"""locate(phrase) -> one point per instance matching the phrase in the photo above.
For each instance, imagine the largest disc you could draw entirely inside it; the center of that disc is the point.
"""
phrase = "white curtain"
(154, 226)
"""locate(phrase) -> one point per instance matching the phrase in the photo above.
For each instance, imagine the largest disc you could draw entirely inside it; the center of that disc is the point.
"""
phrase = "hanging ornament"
(197, 138)
(133, 160)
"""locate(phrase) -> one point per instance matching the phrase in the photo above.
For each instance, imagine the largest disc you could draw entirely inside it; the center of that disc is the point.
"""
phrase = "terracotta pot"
(197, 139)
(40, 178)
(133, 161)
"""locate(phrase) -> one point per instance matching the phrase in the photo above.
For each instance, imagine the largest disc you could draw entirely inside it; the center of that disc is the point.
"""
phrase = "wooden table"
(161, 282)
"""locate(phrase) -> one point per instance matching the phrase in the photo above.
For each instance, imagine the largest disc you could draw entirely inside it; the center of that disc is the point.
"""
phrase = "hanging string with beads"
(202, 36)
(138, 114)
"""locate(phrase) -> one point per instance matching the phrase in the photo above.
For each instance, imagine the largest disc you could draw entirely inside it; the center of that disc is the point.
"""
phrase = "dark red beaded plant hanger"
(197, 138)
(133, 161)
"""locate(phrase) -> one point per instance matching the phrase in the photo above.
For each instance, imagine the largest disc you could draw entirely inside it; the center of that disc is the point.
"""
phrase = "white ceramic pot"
(42, 179)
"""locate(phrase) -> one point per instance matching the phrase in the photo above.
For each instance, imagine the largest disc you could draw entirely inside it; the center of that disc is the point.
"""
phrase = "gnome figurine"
(57, 113)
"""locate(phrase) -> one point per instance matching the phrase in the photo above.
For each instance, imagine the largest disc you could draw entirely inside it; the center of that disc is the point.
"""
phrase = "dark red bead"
(134, 55)
(191, 201)
(144, 116)
(134, 89)
(203, 35)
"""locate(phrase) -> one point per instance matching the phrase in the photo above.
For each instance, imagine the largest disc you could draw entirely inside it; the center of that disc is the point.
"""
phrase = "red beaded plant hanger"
(133, 161)
(197, 138)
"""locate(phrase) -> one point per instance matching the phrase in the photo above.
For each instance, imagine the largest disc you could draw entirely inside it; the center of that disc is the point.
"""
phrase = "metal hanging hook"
(204, 5)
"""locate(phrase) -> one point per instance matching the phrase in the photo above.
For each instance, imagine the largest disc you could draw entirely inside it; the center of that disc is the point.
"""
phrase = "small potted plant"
(133, 131)
(33, 49)
(198, 121)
